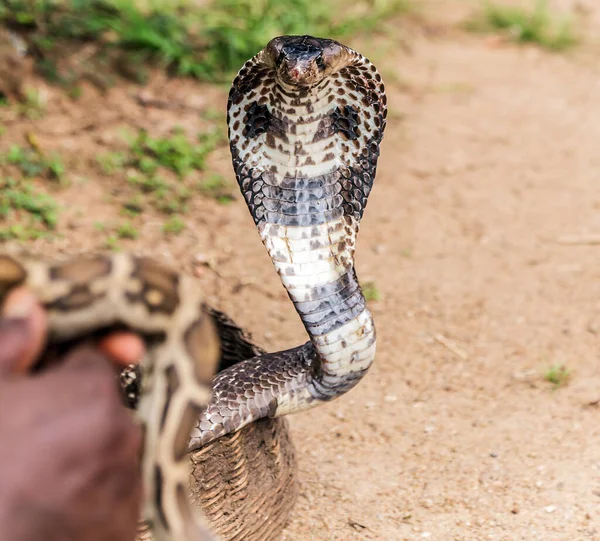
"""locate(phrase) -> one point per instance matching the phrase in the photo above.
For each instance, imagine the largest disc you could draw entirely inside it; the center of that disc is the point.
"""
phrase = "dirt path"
(496, 158)
(489, 157)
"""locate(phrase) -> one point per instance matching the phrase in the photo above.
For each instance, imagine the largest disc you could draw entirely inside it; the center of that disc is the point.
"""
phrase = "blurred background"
(478, 252)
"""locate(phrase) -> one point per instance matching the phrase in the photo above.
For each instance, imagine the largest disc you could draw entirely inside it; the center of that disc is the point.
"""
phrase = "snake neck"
(316, 267)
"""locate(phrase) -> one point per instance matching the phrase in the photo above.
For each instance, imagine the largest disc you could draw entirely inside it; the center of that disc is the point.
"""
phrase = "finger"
(14, 338)
(85, 357)
(20, 352)
(123, 347)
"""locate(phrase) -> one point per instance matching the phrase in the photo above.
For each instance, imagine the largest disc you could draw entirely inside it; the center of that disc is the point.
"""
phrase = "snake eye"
(320, 62)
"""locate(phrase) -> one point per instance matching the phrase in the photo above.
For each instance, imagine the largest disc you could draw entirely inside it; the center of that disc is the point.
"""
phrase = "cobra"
(306, 117)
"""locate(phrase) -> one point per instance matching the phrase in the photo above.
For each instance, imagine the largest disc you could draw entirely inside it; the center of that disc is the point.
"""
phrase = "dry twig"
(578, 239)
(451, 346)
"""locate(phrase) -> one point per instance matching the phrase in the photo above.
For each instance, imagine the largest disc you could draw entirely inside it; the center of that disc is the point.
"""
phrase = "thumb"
(22, 332)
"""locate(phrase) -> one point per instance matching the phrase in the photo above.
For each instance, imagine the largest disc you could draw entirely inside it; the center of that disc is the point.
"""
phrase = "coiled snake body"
(306, 117)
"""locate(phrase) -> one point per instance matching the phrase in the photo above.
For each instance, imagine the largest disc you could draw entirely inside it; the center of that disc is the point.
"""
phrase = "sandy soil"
(490, 159)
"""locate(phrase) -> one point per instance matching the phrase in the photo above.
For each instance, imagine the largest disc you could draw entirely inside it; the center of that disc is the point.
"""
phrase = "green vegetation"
(175, 152)
(158, 168)
(174, 225)
(32, 163)
(166, 197)
(526, 25)
(112, 243)
(217, 188)
(133, 206)
(32, 105)
(207, 42)
(28, 212)
(111, 162)
(370, 291)
(127, 231)
(558, 375)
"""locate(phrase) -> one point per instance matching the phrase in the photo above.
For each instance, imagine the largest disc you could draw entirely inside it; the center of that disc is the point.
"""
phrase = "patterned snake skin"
(88, 295)
(306, 117)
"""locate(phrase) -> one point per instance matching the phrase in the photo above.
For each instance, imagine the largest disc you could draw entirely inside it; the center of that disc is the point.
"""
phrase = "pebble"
(201, 259)
(550, 509)
(75, 224)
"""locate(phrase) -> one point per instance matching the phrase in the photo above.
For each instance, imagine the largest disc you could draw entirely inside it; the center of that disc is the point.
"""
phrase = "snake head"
(305, 60)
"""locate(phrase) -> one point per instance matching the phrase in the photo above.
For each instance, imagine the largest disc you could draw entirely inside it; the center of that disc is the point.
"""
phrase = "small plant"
(174, 225)
(112, 243)
(133, 206)
(32, 106)
(55, 167)
(32, 163)
(127, 231)
(371, 292)
(29, 213)
(217, 188)
(111, 162)
(558, 375)
(524, 25)
(165, 196)
(149, 184)
(174, 201)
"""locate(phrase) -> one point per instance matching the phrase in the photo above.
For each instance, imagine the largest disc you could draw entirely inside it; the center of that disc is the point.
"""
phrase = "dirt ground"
(488, 181)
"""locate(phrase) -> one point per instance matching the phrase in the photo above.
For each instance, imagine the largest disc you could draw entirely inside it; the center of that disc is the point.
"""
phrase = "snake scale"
(306, 117)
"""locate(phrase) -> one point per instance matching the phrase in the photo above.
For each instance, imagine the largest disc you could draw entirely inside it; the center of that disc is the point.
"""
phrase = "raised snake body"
(306, 117)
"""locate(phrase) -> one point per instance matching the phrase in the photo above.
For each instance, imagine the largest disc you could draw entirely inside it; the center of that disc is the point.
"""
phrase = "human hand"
(69, 450)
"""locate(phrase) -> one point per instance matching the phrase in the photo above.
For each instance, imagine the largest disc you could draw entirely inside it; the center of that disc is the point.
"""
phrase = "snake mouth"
(300, 72)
